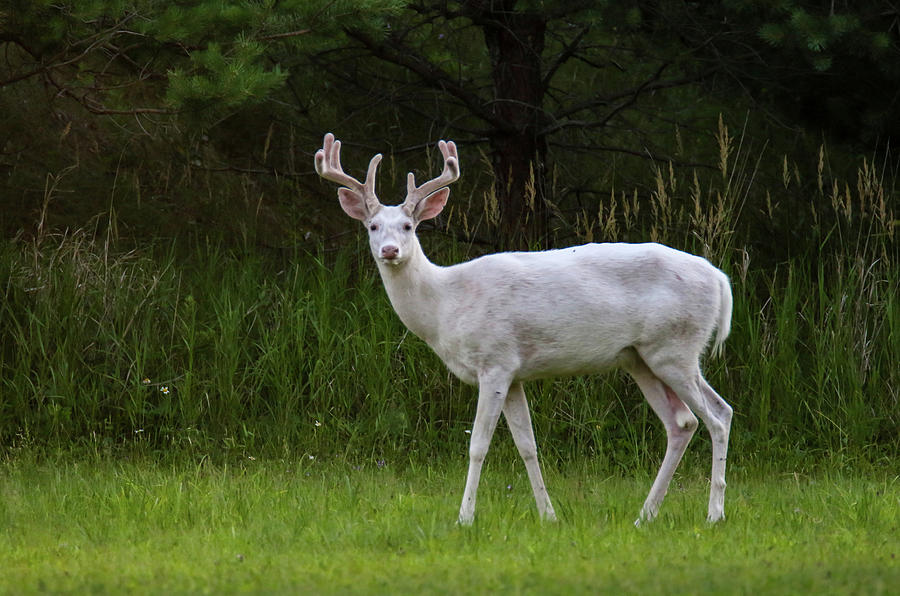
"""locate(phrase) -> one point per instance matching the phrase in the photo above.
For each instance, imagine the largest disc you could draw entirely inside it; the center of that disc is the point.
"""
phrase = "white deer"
(502, 319)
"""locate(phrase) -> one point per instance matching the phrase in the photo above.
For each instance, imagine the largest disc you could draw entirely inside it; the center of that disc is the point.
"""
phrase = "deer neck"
(413, 288)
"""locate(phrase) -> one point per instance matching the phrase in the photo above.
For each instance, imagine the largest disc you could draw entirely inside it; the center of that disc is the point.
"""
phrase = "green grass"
(216, 352)
(211, 349)
(202, 418)
(290, 526)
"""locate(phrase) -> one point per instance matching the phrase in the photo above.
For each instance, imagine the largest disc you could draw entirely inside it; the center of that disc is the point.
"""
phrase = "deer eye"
(373, 227)
(407, 226)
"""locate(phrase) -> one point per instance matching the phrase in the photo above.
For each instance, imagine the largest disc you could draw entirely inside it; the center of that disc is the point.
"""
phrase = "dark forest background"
(201, 117)
(174, 273)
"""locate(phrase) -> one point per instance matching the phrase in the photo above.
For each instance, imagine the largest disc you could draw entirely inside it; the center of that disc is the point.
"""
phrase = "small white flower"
(312, 457)
(467, 431)
(164, 390)
(318, 423)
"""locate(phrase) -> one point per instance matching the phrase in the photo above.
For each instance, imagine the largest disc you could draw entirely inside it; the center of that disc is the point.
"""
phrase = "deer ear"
(432, 205)
(353, 204)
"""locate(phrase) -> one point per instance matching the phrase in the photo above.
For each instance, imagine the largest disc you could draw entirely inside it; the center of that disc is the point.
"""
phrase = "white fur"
(505, 318)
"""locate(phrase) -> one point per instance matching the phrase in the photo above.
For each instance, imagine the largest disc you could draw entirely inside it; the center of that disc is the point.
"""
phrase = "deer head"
(392, 229)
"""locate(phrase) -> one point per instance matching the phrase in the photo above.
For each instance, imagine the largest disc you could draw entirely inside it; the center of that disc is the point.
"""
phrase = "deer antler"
(450, 174)
(328, 166)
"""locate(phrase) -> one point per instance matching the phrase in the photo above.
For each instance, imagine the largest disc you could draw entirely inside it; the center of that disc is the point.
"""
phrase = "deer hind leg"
(680, 424)
(722, 413)
(492, 392)
(519, 421)
(689, 385)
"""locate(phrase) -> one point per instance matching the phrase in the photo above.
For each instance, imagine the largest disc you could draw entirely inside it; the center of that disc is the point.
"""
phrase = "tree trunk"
(515, 41)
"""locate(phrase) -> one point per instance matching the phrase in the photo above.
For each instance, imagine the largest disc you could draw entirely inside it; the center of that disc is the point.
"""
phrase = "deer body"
(554, 313)
(502, 319)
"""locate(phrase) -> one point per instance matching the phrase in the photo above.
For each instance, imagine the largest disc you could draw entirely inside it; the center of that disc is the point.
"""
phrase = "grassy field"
(206, 346)
(307, 526)
(220, 351)
(193, 416)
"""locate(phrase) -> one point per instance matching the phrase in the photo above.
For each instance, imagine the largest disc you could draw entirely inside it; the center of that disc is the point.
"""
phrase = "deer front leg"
(519, 421)
(491, 397)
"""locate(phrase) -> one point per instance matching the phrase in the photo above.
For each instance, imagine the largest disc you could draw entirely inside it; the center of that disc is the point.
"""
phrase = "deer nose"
(390, 252)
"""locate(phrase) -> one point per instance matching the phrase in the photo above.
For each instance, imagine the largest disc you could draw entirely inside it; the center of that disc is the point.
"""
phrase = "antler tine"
(328, 166)
(328, 163)
(450, 174)
(370, 173)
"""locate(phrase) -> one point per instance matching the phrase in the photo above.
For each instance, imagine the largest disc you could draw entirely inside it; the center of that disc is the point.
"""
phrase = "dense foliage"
(216, 350)
(174, 274)
(197, 113)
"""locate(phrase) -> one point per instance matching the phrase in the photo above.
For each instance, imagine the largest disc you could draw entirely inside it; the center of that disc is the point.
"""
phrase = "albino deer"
(506, 318)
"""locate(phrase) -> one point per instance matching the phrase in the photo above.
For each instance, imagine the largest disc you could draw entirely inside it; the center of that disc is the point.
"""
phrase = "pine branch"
(627, 97)
(396, 52)
(564, 56)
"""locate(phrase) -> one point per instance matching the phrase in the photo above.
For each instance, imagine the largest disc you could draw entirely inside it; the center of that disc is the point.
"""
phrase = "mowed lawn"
(307, 526)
